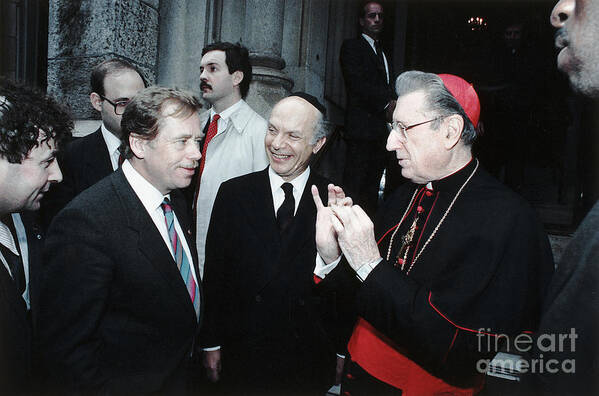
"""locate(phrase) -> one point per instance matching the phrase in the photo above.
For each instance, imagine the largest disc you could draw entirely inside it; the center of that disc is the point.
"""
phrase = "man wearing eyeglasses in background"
(86, 161)
(458, 259)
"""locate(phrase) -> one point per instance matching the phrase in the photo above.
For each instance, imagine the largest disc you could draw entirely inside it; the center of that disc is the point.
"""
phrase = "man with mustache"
(121, 301)
(234, 143)
(572, 303)
(32, 129)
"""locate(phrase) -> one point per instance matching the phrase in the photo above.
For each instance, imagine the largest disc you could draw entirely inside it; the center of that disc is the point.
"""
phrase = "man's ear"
(96, 101)
(138, 145)
(237, 77)
(454, 125)
(319, 145)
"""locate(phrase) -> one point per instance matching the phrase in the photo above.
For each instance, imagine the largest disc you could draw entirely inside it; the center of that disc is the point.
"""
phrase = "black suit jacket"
(367, 90)
(83, 163)
(114, 313)
(262, 305)
(16, 348)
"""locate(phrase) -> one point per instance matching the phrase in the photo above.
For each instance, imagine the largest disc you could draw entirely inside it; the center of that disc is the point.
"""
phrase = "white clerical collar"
(149, 195)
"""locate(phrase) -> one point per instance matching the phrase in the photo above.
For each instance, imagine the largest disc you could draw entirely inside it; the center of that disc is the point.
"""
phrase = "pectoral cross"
(406, 243)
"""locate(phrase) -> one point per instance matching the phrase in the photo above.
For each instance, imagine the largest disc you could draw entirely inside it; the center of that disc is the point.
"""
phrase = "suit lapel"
(150, 243)
(374, 59)
(13, 299)
(300, 233)
(262, 214)
(97, 160)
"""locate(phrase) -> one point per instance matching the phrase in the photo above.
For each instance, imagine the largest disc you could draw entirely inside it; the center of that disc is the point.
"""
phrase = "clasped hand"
(342, 227)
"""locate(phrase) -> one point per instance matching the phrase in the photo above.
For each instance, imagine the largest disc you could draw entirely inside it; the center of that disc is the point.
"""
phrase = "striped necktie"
(180, 256)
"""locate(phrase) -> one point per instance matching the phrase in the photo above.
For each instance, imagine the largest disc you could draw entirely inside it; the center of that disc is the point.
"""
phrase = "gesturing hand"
(326, 237)
(212, 363)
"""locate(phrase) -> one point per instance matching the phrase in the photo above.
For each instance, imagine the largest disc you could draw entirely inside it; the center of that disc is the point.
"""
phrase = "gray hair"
(321, 129)
(438, 99)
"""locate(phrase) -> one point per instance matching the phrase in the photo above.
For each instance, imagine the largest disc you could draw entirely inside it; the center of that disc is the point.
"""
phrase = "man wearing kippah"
(264, 315)
(454, 261)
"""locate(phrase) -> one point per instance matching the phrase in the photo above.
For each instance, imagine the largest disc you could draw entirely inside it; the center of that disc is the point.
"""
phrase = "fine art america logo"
(509, 360)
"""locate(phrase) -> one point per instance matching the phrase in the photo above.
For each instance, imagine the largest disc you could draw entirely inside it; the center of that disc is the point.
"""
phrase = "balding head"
(293, 135)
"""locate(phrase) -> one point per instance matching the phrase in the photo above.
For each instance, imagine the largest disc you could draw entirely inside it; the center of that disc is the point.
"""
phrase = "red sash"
(375, 353)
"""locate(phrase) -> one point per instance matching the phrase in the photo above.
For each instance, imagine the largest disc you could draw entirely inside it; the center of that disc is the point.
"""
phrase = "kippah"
(465, 94)
(312, 100)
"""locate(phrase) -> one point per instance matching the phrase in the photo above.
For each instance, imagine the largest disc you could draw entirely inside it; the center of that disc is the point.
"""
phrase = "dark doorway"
(24, 41)
(531, 138)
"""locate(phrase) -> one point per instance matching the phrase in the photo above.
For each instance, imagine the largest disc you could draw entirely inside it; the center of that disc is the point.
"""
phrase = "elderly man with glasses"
(454, 262)
(86, 161)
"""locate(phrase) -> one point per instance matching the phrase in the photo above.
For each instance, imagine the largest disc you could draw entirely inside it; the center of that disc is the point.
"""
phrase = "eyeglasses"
(119, 105)
(399, 127)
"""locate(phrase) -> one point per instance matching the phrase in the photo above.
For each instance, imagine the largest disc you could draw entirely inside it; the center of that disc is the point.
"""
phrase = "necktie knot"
(288, 189)
(215, 118)
(287, 209)
(166, 206)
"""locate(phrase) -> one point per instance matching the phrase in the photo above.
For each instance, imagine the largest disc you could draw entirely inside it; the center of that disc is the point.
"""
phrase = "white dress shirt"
(225, 116)
(112, 143)
(278, 195)
(151, 199)
(370, 41)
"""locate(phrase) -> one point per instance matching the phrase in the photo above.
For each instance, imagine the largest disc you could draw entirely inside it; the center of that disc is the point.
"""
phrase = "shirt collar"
(299, 183)
(227, 115)
(369, 40)
(454, 181)
(149, 196)
(112, 142)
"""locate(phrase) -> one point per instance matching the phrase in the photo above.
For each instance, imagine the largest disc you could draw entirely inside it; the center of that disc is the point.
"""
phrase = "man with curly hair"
(32, 128)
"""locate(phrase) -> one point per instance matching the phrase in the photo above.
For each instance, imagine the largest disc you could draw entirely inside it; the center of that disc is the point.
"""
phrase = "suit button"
(301, 302)
(38, 236)
(258, 298)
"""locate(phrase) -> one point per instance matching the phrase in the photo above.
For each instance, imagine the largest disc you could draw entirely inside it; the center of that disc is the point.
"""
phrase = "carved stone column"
(264, 38)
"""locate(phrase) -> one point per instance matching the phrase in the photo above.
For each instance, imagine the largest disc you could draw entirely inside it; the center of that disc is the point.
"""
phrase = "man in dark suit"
(368, 76)
(264, 315)
(120, 303)
(89, 159)
(32, 127)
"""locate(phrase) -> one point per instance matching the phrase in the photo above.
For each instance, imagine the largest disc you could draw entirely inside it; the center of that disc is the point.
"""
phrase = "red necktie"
(212, 129)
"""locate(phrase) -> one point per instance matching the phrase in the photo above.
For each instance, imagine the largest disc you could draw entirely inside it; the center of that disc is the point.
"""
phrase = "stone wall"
(83, 33)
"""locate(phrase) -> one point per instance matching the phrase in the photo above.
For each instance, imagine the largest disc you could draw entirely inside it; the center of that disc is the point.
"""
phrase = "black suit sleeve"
(76, 261)
(497, 288)
(359, 78)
